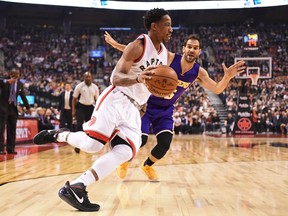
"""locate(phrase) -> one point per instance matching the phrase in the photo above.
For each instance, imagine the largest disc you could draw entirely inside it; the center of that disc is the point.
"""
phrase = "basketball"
(164, 81)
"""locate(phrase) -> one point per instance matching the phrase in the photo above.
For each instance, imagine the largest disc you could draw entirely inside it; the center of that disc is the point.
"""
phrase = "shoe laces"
(124, 165)
(50, 135)
(81, 189)
(150, 170)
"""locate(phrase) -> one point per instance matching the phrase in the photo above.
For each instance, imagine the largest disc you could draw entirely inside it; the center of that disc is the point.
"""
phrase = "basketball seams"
(156, 75)
(152, 84)
(164, 81)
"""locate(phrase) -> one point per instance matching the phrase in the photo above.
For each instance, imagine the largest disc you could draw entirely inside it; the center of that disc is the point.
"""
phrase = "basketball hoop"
(254, 78)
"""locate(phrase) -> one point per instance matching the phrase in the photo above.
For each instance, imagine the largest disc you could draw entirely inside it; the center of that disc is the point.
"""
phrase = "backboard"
(256, 65)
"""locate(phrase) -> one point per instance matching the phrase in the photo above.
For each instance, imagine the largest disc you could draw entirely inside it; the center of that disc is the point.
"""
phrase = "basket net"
(254, 78)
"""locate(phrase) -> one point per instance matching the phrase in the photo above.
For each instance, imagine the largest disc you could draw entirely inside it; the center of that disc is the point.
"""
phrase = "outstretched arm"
(206, 82)
(122, 75)
(108, 38)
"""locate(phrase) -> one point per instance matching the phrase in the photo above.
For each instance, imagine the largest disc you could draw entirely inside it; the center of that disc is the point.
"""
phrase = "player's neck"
(185, 67)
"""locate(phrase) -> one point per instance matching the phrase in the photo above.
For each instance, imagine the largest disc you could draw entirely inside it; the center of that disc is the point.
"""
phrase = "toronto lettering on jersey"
(152, 61)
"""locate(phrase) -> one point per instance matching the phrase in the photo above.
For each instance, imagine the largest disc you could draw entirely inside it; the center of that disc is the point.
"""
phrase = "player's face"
(164, 28)
(191, 51)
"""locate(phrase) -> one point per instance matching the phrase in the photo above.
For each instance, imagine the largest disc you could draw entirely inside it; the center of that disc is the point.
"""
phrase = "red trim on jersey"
(103, 98)
(144, 48)
(97, 135)
(161, 49)
(133, 147)
(113, 134)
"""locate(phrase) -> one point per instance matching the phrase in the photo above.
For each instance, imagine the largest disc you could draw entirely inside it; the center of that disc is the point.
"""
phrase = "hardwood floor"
(200, 175)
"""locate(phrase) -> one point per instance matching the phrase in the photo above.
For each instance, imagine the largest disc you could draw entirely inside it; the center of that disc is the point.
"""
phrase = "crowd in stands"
(48, 58)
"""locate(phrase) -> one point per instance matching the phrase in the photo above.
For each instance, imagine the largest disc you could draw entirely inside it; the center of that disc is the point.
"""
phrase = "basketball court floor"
(201, 175)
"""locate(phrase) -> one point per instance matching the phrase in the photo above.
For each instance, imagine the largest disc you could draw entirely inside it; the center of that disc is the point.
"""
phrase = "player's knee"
(120, 144)
(91, 145)
(123, 152)
(163, 145)
(164, 140)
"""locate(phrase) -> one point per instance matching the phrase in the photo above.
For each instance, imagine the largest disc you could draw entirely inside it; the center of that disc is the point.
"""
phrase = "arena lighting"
(115, 28)
(125, 28)
(168, 5)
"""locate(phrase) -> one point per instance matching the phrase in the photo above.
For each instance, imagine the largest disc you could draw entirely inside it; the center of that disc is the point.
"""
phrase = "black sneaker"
(76, 196)
(47, 136)
(77, 150)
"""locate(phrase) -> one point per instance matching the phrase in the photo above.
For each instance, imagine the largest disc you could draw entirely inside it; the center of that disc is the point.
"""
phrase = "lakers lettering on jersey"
(184, 81)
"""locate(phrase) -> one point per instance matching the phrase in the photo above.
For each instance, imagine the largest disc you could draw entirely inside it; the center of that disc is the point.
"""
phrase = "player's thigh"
(145, 124)
(164, 123)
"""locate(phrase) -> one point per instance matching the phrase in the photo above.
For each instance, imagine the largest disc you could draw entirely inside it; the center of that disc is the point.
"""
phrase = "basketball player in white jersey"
(159, 113)
(116, 117)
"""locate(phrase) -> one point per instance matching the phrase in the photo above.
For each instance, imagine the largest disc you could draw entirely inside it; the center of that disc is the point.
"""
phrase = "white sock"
(86, 178)
(80, 140)
(62, 137)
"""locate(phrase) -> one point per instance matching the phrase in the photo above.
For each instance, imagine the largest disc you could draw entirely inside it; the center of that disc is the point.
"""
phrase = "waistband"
(134, 102)
(83, 105)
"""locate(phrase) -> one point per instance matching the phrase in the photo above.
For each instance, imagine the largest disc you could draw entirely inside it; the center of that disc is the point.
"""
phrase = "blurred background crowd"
(48, 57)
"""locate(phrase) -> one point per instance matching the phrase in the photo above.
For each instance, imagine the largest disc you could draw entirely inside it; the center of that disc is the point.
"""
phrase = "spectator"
(229, 123)
(44, 119)
(215, 121)
(65, 107)
(10, 88)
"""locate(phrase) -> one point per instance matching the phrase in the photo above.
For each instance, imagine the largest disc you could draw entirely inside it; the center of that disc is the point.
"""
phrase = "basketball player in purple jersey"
(159, 111)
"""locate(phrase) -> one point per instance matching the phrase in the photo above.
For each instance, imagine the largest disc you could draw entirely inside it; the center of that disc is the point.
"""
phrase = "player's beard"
(189, 59)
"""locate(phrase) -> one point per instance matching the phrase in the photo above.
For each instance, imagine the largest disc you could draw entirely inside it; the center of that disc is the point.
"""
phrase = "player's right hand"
(146, 74)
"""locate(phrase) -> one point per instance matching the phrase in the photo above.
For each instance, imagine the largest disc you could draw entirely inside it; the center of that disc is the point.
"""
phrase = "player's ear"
(153, 26)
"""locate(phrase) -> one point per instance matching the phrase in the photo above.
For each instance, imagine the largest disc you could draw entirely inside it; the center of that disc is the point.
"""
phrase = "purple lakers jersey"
(160, 110)
(184, 82)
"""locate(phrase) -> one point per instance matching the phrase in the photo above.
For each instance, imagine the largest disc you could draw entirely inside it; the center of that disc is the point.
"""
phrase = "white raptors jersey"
(150, 56)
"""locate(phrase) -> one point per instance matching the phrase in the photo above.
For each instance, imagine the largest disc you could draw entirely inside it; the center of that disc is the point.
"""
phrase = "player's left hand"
(233, 70)
(108, 38)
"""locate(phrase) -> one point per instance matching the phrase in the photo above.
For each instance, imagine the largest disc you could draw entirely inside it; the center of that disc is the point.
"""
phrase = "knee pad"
(122, 152)
(163, 145)
(91, 145)
(120, 139)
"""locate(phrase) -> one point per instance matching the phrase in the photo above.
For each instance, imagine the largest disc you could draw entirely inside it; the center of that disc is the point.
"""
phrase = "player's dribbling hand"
(146, 74)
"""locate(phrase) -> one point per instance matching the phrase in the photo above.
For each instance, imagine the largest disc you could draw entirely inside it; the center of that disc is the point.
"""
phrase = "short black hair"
(153, 15)
(193, 37)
